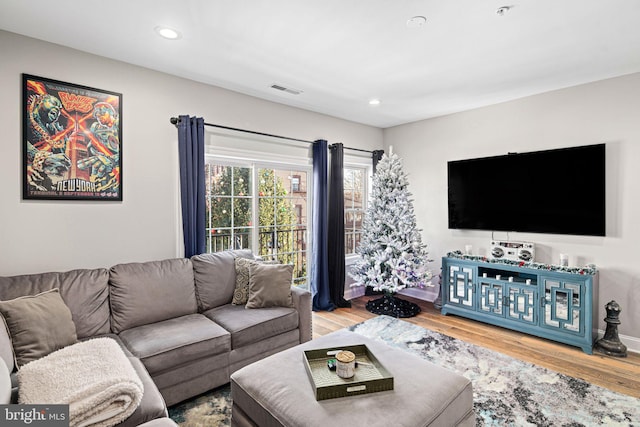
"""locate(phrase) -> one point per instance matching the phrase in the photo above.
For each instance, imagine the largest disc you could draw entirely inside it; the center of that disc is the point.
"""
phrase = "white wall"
(37, 236)
(607, 111)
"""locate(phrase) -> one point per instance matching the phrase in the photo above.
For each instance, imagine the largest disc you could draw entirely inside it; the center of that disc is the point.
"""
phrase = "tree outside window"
(281, 228)
(229, 202)
(354, 199)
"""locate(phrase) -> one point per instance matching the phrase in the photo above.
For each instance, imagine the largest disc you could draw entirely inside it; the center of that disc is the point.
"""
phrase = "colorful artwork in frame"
(72, 141)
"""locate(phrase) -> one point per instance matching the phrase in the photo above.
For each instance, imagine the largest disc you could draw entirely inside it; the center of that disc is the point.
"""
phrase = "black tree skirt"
(392, 306)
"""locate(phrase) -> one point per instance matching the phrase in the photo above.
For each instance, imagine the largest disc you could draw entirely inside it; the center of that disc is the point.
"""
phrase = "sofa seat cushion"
(152, 405)
(174, 342)
(250, 326)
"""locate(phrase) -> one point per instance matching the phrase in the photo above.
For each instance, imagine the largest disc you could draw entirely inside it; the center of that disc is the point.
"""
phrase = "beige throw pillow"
(270, 285)
(241, 292)
(38, 325)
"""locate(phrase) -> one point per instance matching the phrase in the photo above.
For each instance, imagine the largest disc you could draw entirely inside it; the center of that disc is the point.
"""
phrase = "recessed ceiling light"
(168, 33)
(416, 21)
(374, 101)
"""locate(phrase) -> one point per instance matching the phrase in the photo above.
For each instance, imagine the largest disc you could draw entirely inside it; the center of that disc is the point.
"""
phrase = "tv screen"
(555, 191)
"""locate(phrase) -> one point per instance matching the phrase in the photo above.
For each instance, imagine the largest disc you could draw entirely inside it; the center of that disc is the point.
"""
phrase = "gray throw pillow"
(215, 277)
(38, 325)
(270, 285)
(241, 291)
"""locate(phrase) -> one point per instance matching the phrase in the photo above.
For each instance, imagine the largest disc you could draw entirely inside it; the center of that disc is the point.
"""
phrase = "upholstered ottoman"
(276, 391)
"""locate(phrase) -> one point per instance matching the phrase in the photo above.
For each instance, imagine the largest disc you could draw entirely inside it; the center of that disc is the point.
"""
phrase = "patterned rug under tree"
(507, 392)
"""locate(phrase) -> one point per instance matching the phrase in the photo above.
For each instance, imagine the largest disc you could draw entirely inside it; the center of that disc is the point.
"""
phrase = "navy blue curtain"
(376, 156)
(335, 234)
(191, 154)
(319, 251)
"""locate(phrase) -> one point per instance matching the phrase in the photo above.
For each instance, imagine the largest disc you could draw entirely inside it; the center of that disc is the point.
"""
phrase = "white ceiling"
(342, 53)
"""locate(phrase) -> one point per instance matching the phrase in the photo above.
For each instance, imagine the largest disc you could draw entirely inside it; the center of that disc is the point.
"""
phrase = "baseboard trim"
(632, 343)
(426, 294)
(353, 292)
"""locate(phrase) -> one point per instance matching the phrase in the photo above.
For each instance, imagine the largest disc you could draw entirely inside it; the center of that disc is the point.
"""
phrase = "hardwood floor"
(618, 374)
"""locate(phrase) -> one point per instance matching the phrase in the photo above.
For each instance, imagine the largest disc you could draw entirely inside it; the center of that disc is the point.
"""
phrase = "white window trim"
(242, 155)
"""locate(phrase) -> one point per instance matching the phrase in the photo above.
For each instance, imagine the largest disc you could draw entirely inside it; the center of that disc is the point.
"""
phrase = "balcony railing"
(286, 246)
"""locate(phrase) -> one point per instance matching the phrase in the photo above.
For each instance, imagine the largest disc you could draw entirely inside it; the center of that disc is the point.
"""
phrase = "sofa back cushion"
(149, 292)
(215, 277)
(85, 292)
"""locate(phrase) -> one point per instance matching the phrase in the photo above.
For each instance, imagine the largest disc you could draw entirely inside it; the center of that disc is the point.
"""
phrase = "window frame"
(366, 188)
(255, 165)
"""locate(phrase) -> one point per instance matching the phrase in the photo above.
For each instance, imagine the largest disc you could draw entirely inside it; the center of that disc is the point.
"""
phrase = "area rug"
(507, 392)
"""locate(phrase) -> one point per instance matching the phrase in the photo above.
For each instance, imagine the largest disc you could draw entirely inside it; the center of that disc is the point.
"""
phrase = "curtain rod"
(355, 149)
(174, 121)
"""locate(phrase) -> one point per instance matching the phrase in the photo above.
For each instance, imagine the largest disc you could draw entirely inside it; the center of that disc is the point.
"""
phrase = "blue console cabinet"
(557, 304)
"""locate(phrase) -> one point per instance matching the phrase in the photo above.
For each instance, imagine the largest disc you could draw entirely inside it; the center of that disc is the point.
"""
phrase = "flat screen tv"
(554, 191)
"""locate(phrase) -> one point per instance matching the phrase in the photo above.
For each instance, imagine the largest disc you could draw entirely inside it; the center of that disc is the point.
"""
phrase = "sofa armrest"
(302, 303)
(6, 348)
(5, 384)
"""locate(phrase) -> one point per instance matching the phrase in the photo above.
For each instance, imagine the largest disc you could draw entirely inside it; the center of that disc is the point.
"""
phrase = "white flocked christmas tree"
(392, 255)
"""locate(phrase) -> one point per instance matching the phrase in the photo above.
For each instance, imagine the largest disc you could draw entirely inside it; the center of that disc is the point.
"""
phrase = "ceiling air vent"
(286, 89)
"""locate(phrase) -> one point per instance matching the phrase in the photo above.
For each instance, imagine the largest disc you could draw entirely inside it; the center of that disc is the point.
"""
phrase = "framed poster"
(72, 141)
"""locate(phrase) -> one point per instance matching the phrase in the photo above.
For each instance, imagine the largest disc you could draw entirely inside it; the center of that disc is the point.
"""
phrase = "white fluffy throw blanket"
(93, 377)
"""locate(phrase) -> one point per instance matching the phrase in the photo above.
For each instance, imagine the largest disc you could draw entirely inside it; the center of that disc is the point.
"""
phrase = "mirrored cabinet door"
(491, 297)
(522, 304)
(563, 305)
(460, 285)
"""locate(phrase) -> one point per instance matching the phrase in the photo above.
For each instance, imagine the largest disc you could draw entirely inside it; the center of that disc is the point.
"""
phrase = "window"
(355, 189)
(229, 202)
(255, 207)
(295, 184)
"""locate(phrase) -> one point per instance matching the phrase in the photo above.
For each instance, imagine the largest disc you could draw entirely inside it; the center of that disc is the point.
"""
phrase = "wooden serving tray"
(370, 376)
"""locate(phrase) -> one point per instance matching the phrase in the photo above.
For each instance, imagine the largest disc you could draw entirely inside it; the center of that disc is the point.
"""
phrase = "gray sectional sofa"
(173, 318)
